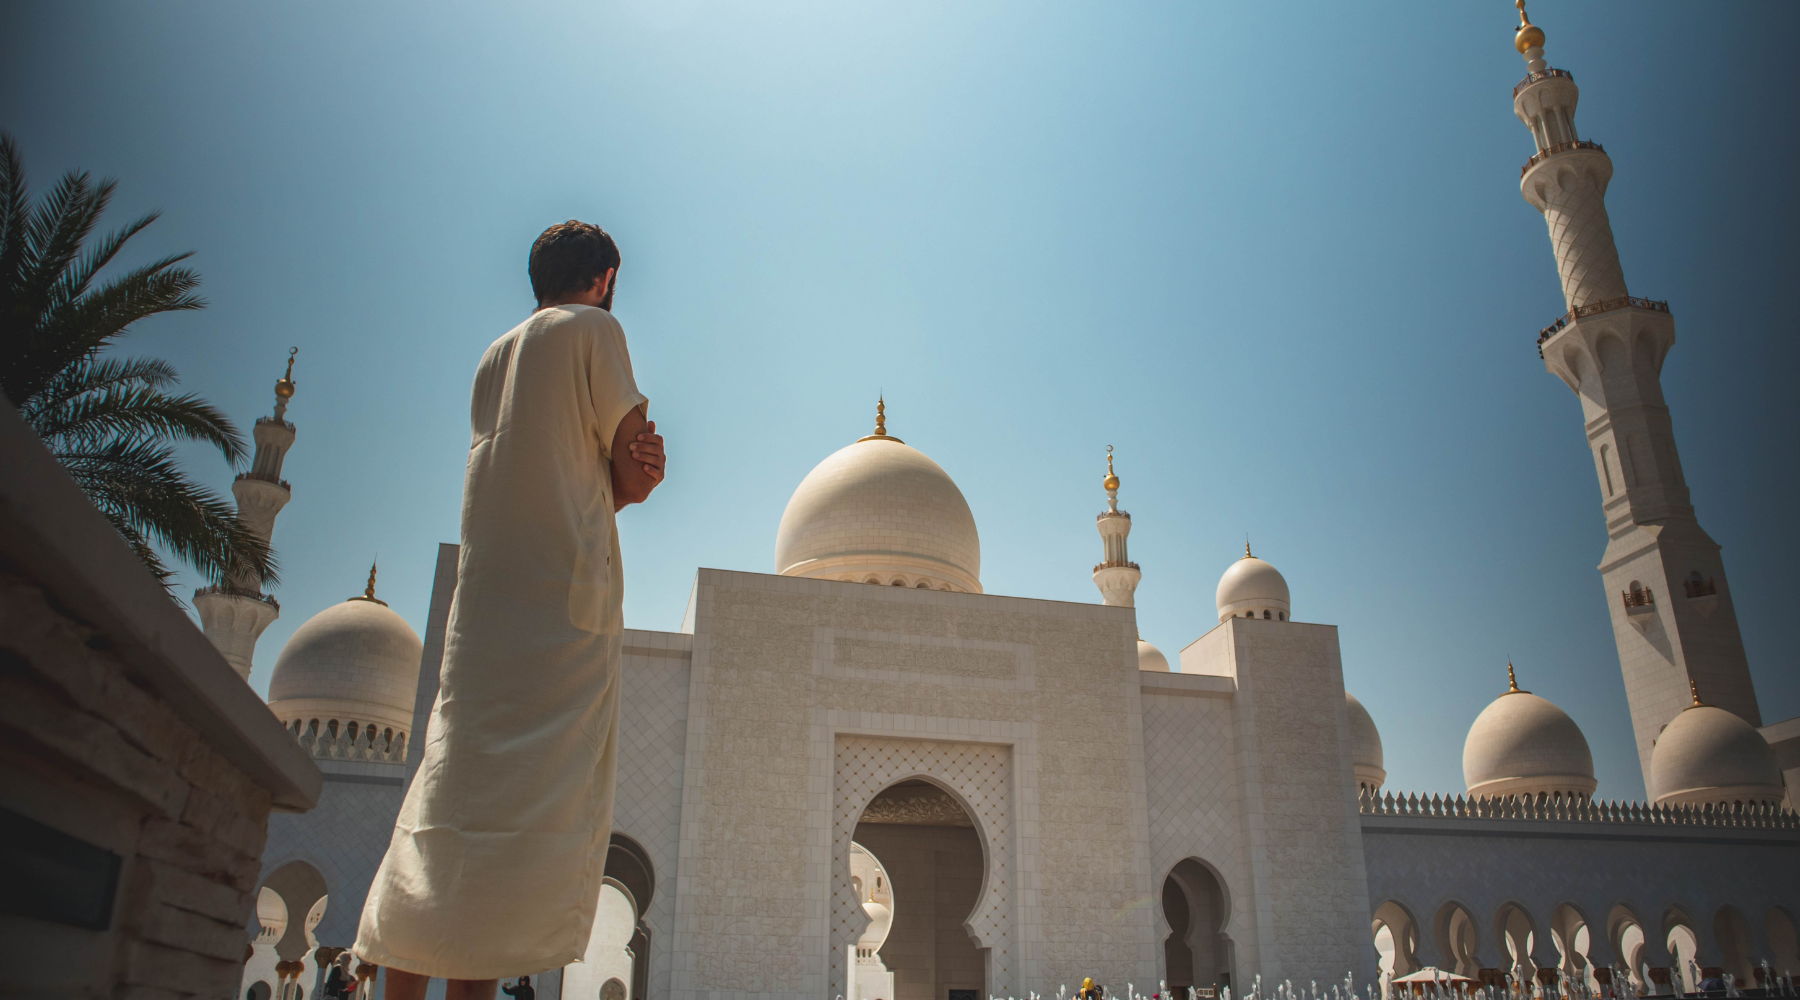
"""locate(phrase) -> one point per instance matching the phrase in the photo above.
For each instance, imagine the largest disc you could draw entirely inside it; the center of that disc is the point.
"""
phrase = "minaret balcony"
(1531, 78)
(260, 478)
(1117, 565)
(1561, 147)
(1595, 309)
(227, 590)
(1639, 604)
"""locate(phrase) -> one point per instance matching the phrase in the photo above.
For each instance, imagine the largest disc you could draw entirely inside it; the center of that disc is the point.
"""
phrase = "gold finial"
(1247, 554)
(368, 593)
(1695, 688)
(881, 433)
(285, 387)
(1529, 35)
(1111, 482)
(1512, 681)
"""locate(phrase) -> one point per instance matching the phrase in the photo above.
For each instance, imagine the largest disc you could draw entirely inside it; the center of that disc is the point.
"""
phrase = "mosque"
(853, 775)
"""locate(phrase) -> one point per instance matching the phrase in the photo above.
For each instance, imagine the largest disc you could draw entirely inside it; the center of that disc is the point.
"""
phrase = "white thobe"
(497, 856)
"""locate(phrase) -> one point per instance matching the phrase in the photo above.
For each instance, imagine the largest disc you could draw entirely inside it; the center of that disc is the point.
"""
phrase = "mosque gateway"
(853, 775)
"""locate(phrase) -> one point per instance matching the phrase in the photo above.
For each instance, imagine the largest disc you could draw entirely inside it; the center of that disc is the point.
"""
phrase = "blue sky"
(1274, 253)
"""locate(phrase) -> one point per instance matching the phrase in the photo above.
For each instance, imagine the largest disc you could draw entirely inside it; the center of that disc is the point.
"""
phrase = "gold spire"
(1695, 688)
(1512, 682)
(881, 433)
(1247, 554)
(1111, 482)
(1529, 35)
(368, 593)
(285, 387)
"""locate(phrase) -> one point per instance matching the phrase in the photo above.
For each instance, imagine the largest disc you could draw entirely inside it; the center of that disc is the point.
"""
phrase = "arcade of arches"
(1662, 952)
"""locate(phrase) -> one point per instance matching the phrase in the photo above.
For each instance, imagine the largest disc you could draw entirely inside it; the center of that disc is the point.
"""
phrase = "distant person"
(498, 852)
(339, 983)
(522, 991)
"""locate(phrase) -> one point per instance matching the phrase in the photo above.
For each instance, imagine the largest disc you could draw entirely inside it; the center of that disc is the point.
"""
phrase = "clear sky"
(1274, 253)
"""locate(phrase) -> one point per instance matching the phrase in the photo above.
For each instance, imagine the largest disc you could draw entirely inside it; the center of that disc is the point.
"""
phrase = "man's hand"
(638, 464)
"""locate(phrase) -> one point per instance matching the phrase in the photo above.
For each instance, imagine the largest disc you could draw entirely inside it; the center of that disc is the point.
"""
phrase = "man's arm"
(637, 459)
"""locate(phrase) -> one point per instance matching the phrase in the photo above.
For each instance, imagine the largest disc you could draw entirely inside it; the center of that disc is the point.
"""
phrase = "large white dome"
(880, 511)
(1524, 746)
(1365, 745)
(1708, 755)
(1254, 588)
(353, 662)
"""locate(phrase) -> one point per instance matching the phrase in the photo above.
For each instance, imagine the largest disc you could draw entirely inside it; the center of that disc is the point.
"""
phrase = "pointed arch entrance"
(977, 778)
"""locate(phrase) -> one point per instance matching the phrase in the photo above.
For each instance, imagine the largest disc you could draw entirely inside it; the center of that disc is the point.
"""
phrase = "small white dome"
(1151, 658)
(1522, 745)
(880, 511)
(355, 662)
(1253, 587)
(1708, 755)
(1365, 745)
(880, 919)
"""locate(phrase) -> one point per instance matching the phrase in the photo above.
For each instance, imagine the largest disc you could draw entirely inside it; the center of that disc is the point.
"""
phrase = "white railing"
(337, 743)
(1578, 810)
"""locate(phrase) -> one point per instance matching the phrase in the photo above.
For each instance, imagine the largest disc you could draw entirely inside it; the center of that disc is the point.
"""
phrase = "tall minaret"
(235, 613)
(1117, 577)
(1665, 581)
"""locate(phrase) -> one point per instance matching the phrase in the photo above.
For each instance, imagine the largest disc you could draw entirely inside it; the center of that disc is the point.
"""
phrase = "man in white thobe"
(497, 856)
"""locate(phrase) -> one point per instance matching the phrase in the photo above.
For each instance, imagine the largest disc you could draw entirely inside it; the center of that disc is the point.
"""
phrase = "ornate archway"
(979, 777)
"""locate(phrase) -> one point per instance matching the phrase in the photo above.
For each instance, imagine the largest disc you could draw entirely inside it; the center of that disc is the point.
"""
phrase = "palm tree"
(111, 422)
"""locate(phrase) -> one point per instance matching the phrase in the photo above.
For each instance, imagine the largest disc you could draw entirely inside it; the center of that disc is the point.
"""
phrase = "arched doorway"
(1458, 940)
(1196, 952)
(1569, 932)
(977, 779)
(1626, 933)
(927, 843)
(618, 953)
(1784, 941)
(1732, 932)
(1396, 941)
(1684, 950)
(289, 905)
(1517, 940)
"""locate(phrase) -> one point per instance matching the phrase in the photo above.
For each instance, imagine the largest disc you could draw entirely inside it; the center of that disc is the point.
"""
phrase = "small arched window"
(1281, 615)
(898, 582)
(1266, 615)
(922, 585)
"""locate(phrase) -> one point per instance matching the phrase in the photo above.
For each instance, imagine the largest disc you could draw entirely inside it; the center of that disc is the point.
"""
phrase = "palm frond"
(139, 485)
(74, 281)
(77, 329)
(12, 224)
(53, 236)
(138, 412)
(98, 375)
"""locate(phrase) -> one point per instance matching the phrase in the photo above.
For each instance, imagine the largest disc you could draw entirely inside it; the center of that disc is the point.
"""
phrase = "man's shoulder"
(558, 326)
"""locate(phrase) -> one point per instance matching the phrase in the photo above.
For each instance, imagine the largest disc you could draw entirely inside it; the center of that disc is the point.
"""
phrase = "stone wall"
(137, 770)
(784, 668)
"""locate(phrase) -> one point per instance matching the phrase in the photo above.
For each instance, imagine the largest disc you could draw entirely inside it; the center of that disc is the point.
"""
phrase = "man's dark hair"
(568, 257)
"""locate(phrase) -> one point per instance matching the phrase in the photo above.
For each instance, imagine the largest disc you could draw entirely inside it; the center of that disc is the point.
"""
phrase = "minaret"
(235, 613)
(1672, 613)
(1117, 577)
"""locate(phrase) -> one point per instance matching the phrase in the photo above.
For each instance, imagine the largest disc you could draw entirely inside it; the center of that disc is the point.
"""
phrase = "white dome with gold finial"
(1709, 756)
(357, 661)
(1252, 588)
(880, 511)
(1523, 746)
